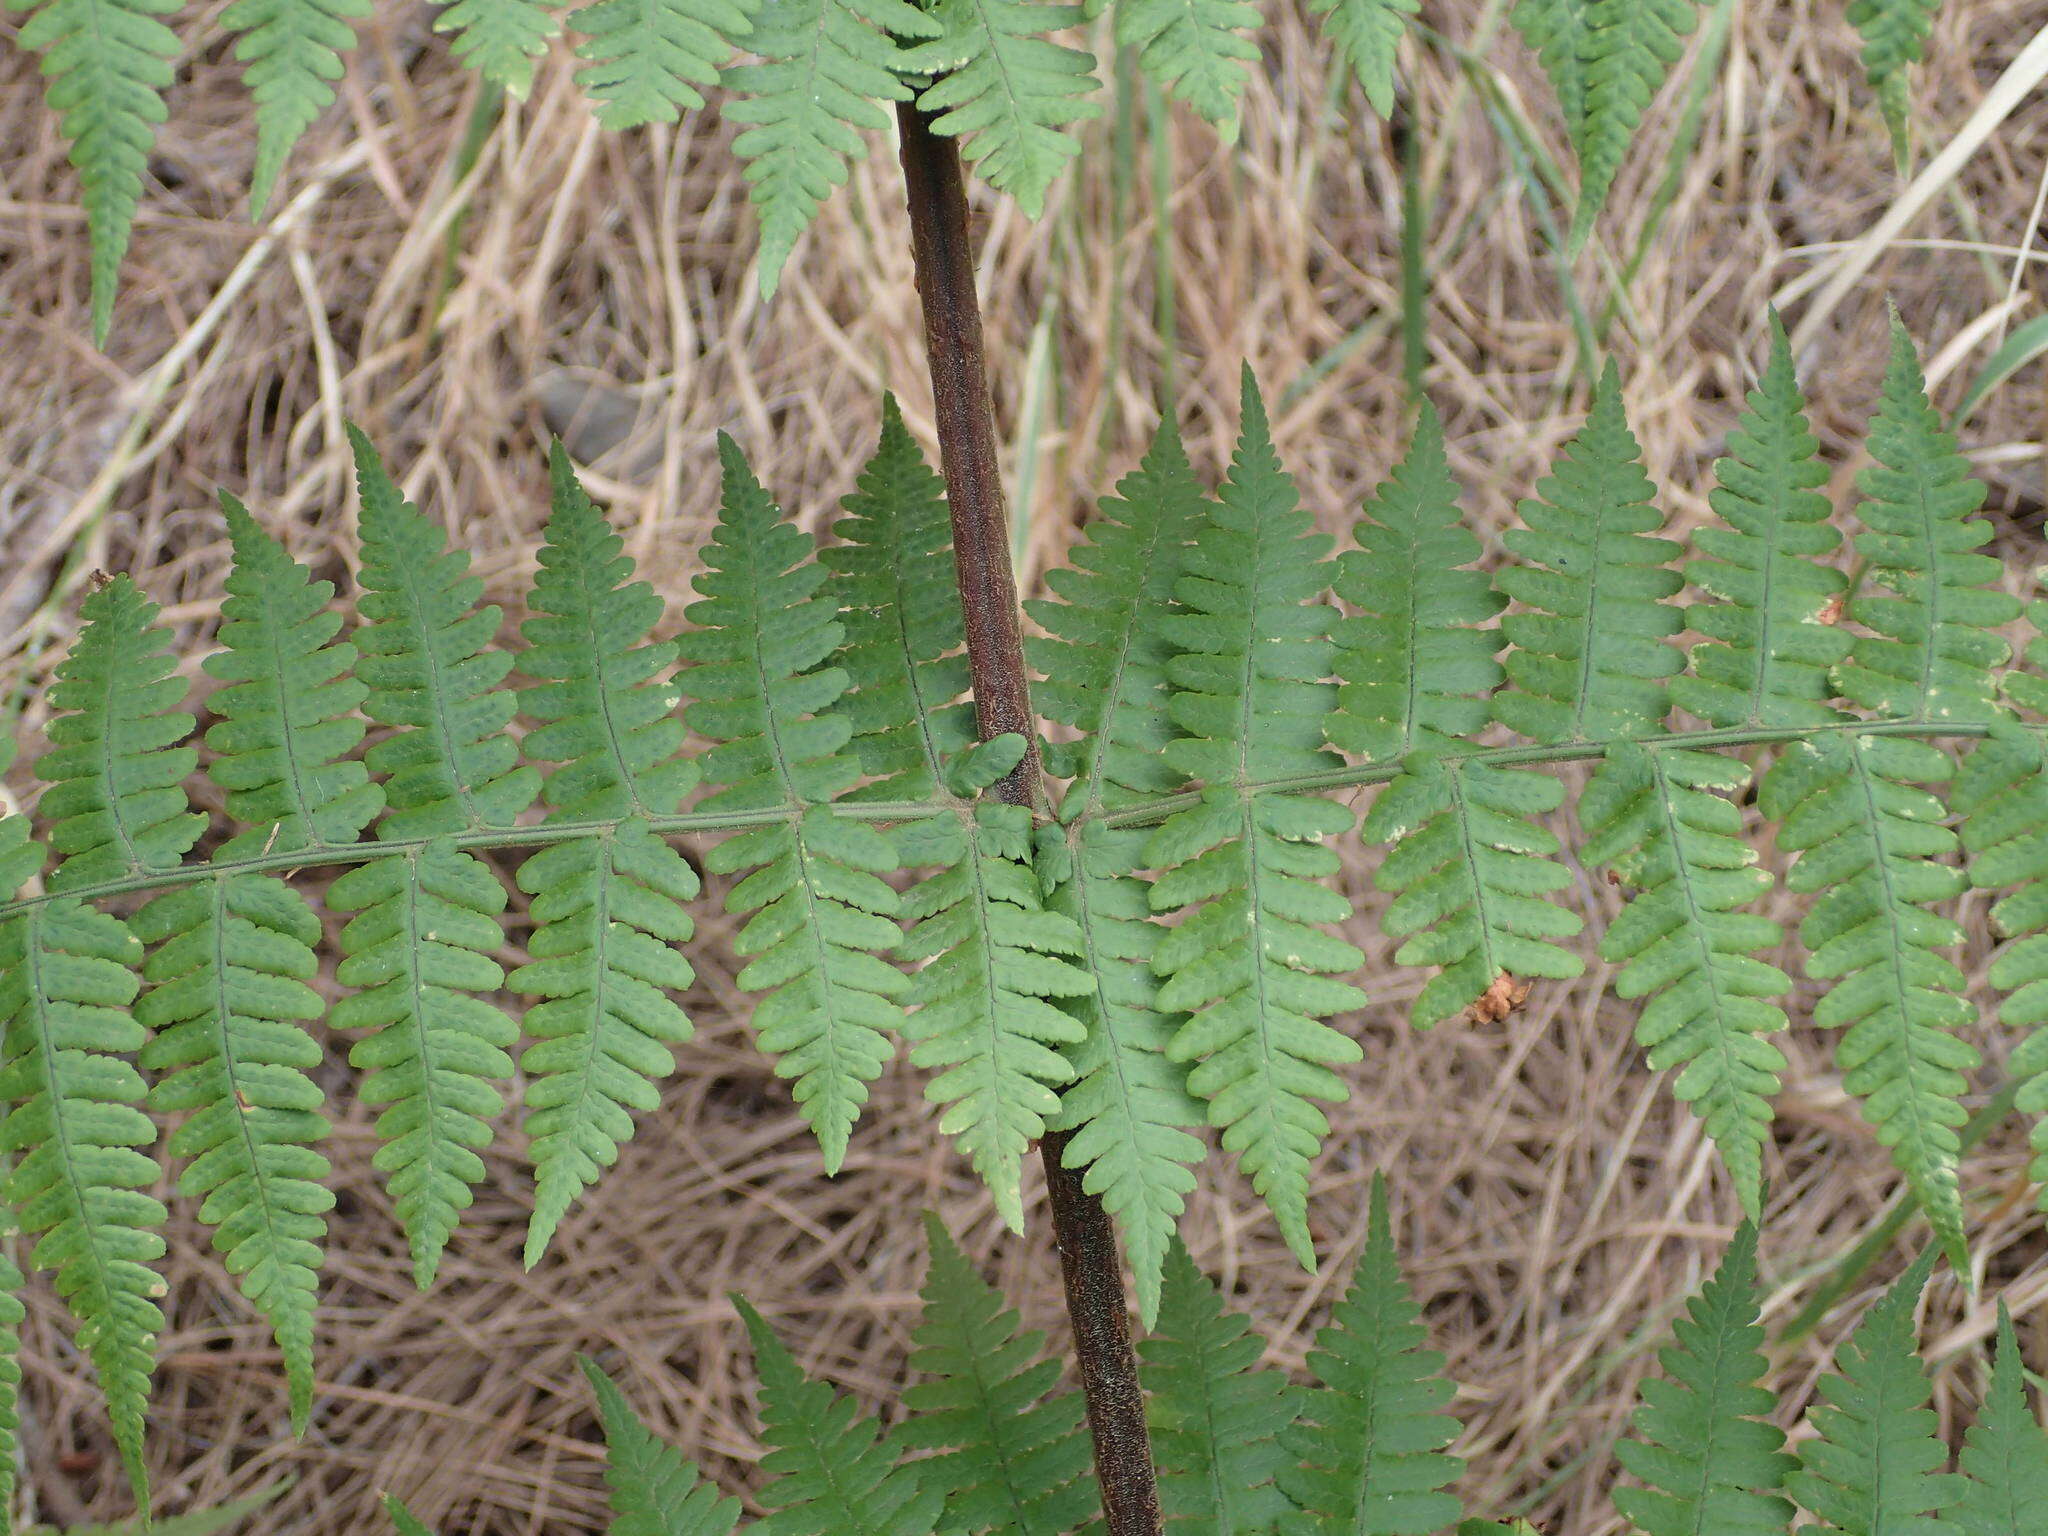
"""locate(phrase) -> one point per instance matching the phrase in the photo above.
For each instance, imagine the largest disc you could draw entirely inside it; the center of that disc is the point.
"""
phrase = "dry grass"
(1553, 1202)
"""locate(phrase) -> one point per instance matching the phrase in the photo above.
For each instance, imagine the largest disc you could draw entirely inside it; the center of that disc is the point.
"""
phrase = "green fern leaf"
(1196, 50)
(229, 987)
(289, 51)
(108, 63)
(1591, 653)
(1560, 32)
(826, 63)
(1368, 1448)
(1470, 869)
(654, 1491)
(1015, 1460)
(904, 646)
(406, 1522)
(1935, 644)
(835, 1474)
(1871, 844)
(420, 949)
(1008, 89)
(67, 980)
(1214, 1418)
(2005, 1453)
(432, 673)
(116, 803)
(646, 58)
(1416, 665)
(609, 909)
(1683, 941)
(12, 1313)
(1872, 1469)
(1770, 647)
(1254, 965)
(821, 911)
(286, 714)
(1894, 34)
(1365, 35)
(500, 39)
(1630, 46)
(995, 961)
(1708, 1451)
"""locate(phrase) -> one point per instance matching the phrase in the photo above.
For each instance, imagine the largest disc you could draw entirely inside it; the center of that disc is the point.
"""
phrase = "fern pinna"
(989, 1443)
(1158, 950)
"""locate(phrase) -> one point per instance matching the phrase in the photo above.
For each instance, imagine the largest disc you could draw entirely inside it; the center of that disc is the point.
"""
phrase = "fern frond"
(432, 672)
(289, 51)
(826, 63)
(1128, 1108)
(1015, 1460)
(1105, 654)
(1196, 50)
(1254, 964)
(1559, 31)
(107, 64)
(646, 58)
(1935, 639)
(1008, 89)
(835, 1474)
(1470, 870)
(2005, 1452)
(1873, 1467)
(1592, 651)
(1369, 1444)
(995, 961)
(12, 1313)
(1684, 943)
(654, 1491)
(500, 39)
(116, 803)
(904, 646)
(1629, 48)
(821, 911)
(67, 980)
(1870, 843)
(1213, 1416)
(1894, 34)
(1416, 666)
(1770, 644)
(228, 998)
(419, 949)
(1708, 1451)
(286, 724)
(1365, 35)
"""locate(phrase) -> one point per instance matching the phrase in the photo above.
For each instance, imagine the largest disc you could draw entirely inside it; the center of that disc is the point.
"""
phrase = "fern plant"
(988, 1443)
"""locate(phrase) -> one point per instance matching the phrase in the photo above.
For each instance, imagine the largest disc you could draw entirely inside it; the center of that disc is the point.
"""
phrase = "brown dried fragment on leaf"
(99, 580)
(1831, 610)
(1499, 1000)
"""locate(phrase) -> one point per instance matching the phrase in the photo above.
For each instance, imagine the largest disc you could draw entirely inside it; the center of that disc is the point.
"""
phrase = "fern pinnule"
(1628, 49)
(499, 39)
(67, 1028)
(653, 1490)
(825, 66)
(286, 731)
(1934, 640)
(1769, 645)
(1253, 964)
(290, 52)
(647, 58)
(995, 963)
(1367, 1455)
(1707, 1450)
(1874, 1465)
(1196, 50)
(821, 913)
(1015, 1459)
(1894, 34)
(116, 802)
(107, 64)
(1214, 1416)
(834, 1472)
(1365, 35)
(1659, 817)
(227, 1003)
(12, 1314)
(433, 673)
(2005, 1451)
(904, 642)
